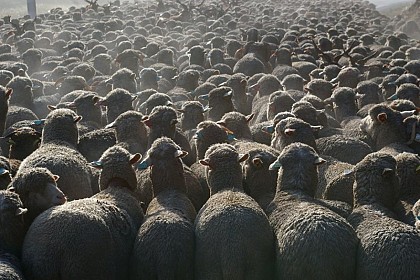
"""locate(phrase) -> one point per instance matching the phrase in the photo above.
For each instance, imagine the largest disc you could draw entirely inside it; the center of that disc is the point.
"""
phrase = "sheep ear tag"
(274, 166)
(198, 135)
(393, 97)
(97, 164)
(143, 165)
(39, 122)
(3, 171)
(268, 129)
(231, 137)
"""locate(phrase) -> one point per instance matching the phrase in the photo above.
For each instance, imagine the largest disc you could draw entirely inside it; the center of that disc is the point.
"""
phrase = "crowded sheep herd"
(209, 140)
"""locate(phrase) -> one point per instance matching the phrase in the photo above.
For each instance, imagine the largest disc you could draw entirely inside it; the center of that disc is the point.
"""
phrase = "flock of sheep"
(209, 140)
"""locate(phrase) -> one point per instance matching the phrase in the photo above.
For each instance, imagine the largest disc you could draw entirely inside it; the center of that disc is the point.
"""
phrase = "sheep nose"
(61, 199)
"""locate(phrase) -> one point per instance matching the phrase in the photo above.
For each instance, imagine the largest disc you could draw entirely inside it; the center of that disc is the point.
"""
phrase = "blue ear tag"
(198, 135)
(96, 163)
(231, 137)
(143, 165)
(3, 171)
(393, 97)
(274, 166)
(269, 129)
(39, 122)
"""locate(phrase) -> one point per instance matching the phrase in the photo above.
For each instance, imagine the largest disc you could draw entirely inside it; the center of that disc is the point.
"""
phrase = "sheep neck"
(225, 178)
(298, 178)
(168, 176)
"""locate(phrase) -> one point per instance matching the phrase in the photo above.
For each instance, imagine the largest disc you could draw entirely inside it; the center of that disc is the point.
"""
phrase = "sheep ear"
(135, 158)
(348, 172)
(243, 157)
(406, 114)
(77, 119)
(257, 162)
(204, 162)
(96, 164)
(289, 131)
(319, 161)
(9, 92)
(180, 154)
(221, 123)
(228, 94)
(20, 211)
(51, 107)
(249, 118)
(382, 117)
(56, 177)
(387, 172)
(11, 189)
(111, 125)
(147, 121)
(316, 128)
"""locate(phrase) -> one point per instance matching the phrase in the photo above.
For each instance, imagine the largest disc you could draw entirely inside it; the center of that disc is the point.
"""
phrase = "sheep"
(385, 126)
(130, 132)
(112, 217)
(155, 99)
(71, 83)
(4, 106)
(343, 100)
(10, 267)
(255, 59)
(416, 214)
(164, 246)
(58, 153)
(93, 144)
(5, 173)
(387, 248)
(232, 223)
(162, 122)
(5, 77)
(260, 182)
(238, 124)
(305, 244)
(84, 105)
(124, 79)
(409, 92)
(117, 102)
(37, 188)
(130, 59)
(12, 226)
(23, 141)
(23, 96)
(320, 88)
(192, 113)
(220, 103)
(407, 165)
(240, 99)
(291, 130)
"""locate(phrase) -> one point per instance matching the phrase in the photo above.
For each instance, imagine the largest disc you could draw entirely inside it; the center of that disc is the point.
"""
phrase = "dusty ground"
(17, 8)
